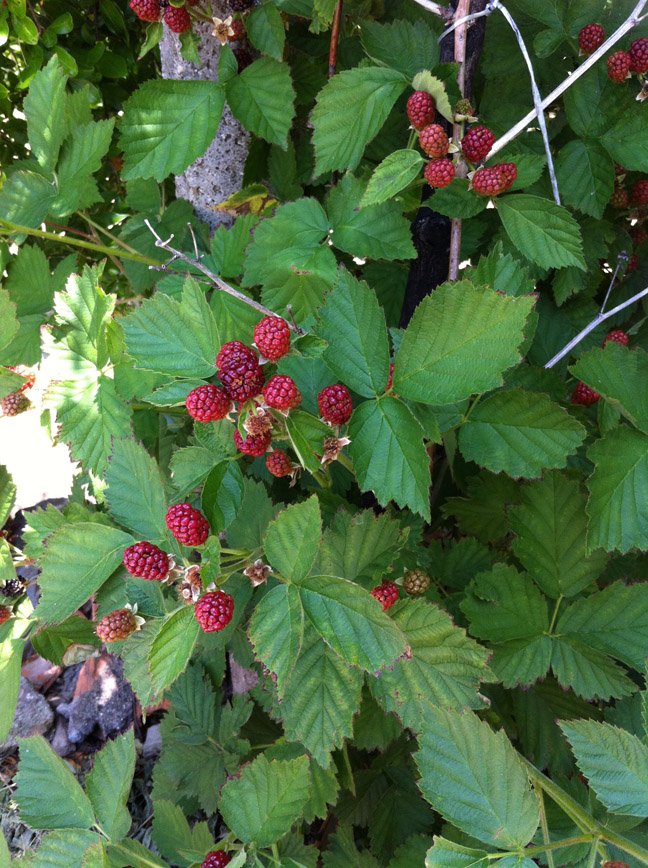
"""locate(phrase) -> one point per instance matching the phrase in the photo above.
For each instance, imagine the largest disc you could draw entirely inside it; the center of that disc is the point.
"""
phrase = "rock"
(243, 680)
(152, 742)
(107, 704)
(60, 742)
(33, 715)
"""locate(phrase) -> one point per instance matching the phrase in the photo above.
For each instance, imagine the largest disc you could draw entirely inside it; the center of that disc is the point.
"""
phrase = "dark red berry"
(208, 403)
(279, 463)
(420, 109)
(240, 5)
(281, 393)
(14, 404)
(434, 141)
(591, 37)
(439, 173)
(5, 614)
(254, 444)
(617, 337)
(620, 198)
(242, 380)
(477, 143)
(188, 525)
(582, 394)
(639, 55)
(146, 561)
(618, 66)
(239, 30)
(146, 10)
(640, 192)
(509, 172)
(335, 404)
(386, 594)
(633, 262)
(214, 612)
(116, 626)
(489, 181)
(216, 859)
(638, 235)
(235, 351)
(243, 58)
(272, 337)
(177, 19)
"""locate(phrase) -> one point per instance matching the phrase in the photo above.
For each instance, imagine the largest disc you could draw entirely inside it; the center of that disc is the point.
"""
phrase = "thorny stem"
(463, 8)
(335, 38)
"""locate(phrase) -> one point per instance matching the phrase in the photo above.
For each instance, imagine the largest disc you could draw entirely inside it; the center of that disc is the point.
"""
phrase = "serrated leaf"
(265, 30)
(65, 848)
(248, 529)
(342, 852)
(11, 651)
(222, 495)
(427, 82)
(457, 200)
(276, 632)
(81, 156)
(625, 140)
(26, 197)
(109, 783)
(502, 272)
(587, 671)
(9, 382)
(585, 175)
(261, 98)
(619, 375)
(447, 854)
(474, 778)
(44, 106)
(459, 341)
(129, 850)
(173, 837)
(167, 125)
(292, 539)
(7, 494)
(358, 546)
(8, 319)
(391, 176)
(542, 231)
(52, 642)
(135, 492)
(407, 46)
(307, 435)
(172, 647)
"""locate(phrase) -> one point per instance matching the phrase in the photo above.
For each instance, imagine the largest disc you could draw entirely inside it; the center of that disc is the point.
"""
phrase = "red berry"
(386, 594)
(146, 561)
(116, 626)
(617, 337)
(239, 30)
(489, 181)
(240, 5)
(591, 37)
(188, 525)
(640, 192)
(15, 403)
(177, 19)
(216, 859)
(420, 109)
(235, 351)
(582, 394)
(638, 235)
(620, 198)
(208, 403)
(214, 612)
(279, 463)
(615, 864)
(335, 404)
(618, 66)
(477, 143)
(254, 444)
(439, 173)
(272, 337)
(146, 10)
(281, 393)
(243, 58)
(5, 614)
(434, 141)
(639, 55)
(509, 172)
(242, 380)
(633, 263)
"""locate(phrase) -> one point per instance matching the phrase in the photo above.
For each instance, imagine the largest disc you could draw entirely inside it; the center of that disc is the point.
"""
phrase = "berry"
(5, 614)
(335, 404)
(214, 612)
(617, 337)
(619, 170)
(638, 235)
(188, 525)
(582, 394)
(208, 403)
(639, 55)
(272, 337)
(633, 263)
(15, 403)
(235, 351)
(239, 30)
(146, 561)
(242, 380)
(279, 464)
(477, 143)
(420, 109)
(281, 393)
(243, 58)
(216, 859)
(489, 182)
(434, 141)
(146, 10)
(615, 864)
(386, 594)
(464, 108)
(13, 588)
(509, 172)
(254, 444)
(416, 582)
(618, 66)
(240, 5)
(640, 192)
(258, 423)
(591, 37)
(439, 173)
(116, 626)
(620, 198)
(177, 19)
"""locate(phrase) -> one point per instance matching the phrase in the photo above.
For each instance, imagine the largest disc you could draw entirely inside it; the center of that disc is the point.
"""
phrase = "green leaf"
(44, 106)
(619, 375)
(351, 622)
(11, 651)
(350, 110)
(429, 83)
(40, 774)
(451, 328)
(167, 124)
(585, 175)
(276, 632)
(8, 319)
(392, 175)
(353, 325)
(474, 778)
(342, 852)
(261, 99)
(542, 231)
(66, 848)
(222, 495)
(307, 435)
(26, 197)
(447, 854)
(359, 546)
(128, 850)
(248, 529)
(52, 642)
(618, 518)
(9, 382)
(265, 30)
(82, 155)
(614, 761)
(135, 492)
(5, 858)
(7, 494)
(407, 46)
(592, 104)
(457, 200)
(30, 284)
(194, 704)
(77, 560)
(502, 272)
(109, 783)
(263, 803)
(521, 433)
(172, 647)
(625, 141)
(292, 539)
(173, 837)
(389, 456)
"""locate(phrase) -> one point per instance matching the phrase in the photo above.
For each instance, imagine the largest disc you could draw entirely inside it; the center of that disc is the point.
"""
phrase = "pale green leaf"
(307, 435)
(8, 320)
(542, 231)
(391, 176)
(7, 494)
(620, 376)
(276, 632)
(11, 651)
(81, 156)
(44, 106)
(293, 538)
(135, 492)
(52, 642)
(447, 854)
(407, 46)
(109, 783)
(172, 647)
(9, 382)
(261, 98)
(26, 198)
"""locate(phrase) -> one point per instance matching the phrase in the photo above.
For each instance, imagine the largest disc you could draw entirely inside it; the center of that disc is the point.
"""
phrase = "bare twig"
(214, 279)
(335, 38)
(436, 9)
(457, 22)
(463, 8)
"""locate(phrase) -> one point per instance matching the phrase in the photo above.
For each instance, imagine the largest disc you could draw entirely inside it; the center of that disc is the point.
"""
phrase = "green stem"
(412, 138)
(108, 234)
(555, 614)
(545, 827)
(345, 461)
(275, 853)
(544, 848)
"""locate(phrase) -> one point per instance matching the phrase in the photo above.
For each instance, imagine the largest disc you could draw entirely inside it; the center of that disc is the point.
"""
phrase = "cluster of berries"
(176, 18)
(620, 64)
(475, 147)
(582, 394)
(634, 202)
(17, 402)
(415, 583)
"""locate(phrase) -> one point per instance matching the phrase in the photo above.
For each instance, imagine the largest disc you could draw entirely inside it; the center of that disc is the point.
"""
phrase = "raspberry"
(420, 109)
(214, 612)
(272, 337)
(216, 859)
(638, 235)
(243, 58)
(281, 393)
(591, 37)
(279, 464)
(254, 444)
(177, 19)
(439, 173)
(639, 55)
(5, 614)
(146, 10)
(242, 380)
(116, 626)
(633, 264)
(386, 594)
(618, 66)
(620, 198)
(13, 588)
(640, 192)
(617, 337)
(239, 30)
(188, 525)
(434, 141)
(208, 403)
(509, 172)
(335, 404)
(619, 170)
(15, 403)
(477, 143)
(416, 582)
(582, 394)
(489, 182)
(240, 5)
(146, 561)
(235, 351)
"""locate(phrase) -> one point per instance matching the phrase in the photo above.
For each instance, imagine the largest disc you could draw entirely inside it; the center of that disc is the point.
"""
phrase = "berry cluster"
(620, 64)
(633, 201)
